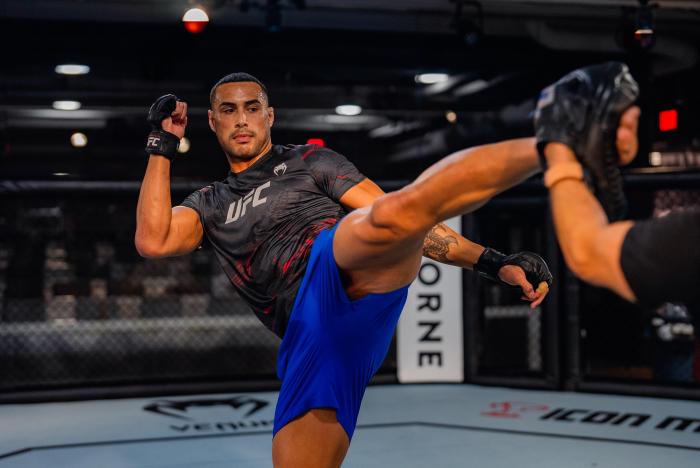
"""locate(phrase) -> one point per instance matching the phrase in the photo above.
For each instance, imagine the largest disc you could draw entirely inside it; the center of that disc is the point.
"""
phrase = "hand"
(515, 276)
(522, 269)
(167, 117)
(177, 121)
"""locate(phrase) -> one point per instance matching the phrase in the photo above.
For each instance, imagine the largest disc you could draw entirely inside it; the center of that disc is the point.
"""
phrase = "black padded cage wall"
(618, 347)
(582, 337)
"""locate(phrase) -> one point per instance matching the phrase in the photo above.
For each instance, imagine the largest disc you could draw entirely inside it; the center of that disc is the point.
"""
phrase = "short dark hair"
(237, 77)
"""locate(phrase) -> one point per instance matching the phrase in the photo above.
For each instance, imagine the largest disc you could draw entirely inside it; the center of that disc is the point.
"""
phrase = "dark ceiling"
(327, 53)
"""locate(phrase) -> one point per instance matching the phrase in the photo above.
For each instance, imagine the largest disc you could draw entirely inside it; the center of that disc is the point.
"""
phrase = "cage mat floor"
(427, 426)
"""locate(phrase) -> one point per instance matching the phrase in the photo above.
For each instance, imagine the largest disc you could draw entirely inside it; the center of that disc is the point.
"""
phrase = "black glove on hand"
(159, 141)
(535, 268)
(582, 110)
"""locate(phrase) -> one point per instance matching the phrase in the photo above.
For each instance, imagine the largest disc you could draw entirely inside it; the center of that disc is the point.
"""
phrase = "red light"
(316, 141)
(195, 27)
(195, 20)
(668, 120)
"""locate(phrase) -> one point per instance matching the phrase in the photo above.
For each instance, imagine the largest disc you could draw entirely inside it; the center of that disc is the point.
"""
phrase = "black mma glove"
(582, 110)
(159, 141)
(491, 261)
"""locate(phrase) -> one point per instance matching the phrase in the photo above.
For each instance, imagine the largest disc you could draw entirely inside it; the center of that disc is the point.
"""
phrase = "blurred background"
(394, 86)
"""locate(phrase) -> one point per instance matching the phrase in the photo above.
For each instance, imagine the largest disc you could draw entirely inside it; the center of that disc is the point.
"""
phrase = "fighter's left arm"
(447, 246)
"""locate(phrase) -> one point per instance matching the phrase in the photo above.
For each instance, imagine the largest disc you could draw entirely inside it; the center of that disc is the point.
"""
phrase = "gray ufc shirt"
(263, 221)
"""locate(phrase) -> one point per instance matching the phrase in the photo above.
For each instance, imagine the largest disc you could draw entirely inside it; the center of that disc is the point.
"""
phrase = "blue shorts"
(333, 346)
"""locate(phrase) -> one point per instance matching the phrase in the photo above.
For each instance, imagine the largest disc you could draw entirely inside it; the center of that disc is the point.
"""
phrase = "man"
(331, 283)
(648, 262)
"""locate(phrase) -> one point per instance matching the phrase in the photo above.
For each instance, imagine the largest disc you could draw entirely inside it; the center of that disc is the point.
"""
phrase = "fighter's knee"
(402, 214)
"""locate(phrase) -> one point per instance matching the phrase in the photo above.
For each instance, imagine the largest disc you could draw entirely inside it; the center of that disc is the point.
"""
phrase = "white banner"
(429, 338)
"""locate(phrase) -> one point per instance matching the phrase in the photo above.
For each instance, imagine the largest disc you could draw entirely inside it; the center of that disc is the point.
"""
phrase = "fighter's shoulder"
(208, 190)
(310, 154)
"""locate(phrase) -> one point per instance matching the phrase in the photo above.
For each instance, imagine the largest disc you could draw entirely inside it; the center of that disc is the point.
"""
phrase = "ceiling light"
(66, 105)
(60, 174)
(195, 20)
(431, 78)
(78, 140)
(472, 87)
(72, 69)
(348, 109)
(184, 145)
(451, 116)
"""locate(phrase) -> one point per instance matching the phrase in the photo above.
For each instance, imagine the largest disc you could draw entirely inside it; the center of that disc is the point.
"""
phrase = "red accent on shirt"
(308, 152)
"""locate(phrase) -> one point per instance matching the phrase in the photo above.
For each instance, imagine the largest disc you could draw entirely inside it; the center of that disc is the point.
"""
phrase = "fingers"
(179, 115)
(542, 291)
(539, 296)
(177, 121)
(528, 290)
(514, 275)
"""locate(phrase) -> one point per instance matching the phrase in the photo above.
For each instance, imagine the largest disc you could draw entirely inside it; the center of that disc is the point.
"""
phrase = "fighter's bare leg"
(379, 248)
(315, 440)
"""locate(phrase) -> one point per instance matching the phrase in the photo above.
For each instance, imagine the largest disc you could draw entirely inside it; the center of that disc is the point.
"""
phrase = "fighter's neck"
(240, 165)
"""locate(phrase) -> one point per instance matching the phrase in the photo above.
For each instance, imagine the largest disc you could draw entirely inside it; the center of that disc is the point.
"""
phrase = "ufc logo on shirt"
(237, 209)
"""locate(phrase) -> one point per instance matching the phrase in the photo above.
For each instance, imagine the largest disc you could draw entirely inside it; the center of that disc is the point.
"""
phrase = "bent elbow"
(147, 249)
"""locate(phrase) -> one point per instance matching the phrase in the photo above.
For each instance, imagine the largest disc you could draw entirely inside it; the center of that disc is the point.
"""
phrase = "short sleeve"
(660, 259)
(195, 200)
(334, 174)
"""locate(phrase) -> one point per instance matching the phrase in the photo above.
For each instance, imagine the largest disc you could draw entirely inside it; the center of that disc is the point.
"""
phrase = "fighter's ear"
(212, 122)
(271, 115)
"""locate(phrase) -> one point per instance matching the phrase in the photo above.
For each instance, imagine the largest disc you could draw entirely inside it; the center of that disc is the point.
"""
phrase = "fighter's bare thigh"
(376, 259)
(314, 440)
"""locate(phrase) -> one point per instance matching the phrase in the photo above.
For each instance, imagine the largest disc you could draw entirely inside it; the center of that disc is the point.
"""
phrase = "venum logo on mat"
(243, 406)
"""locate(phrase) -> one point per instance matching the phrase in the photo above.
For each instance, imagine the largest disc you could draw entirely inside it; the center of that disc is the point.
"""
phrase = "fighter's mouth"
(243, 137)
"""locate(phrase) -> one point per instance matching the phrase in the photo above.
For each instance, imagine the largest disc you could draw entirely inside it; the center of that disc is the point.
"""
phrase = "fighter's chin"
(244, 156)
(243, 153)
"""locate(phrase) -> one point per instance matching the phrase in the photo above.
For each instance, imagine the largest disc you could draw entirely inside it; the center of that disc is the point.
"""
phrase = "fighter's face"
(241, 118)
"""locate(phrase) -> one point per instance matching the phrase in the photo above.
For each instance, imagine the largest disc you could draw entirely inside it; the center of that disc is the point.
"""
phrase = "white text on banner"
(429, 335)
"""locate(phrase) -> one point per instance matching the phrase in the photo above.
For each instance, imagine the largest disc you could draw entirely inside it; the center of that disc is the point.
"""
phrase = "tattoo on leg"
(437, 243)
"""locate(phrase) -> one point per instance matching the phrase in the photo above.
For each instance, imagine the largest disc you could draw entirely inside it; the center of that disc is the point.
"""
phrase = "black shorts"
(661, 259)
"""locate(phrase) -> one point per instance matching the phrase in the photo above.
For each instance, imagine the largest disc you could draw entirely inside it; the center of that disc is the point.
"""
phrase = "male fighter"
(331, 283)
(648, 262)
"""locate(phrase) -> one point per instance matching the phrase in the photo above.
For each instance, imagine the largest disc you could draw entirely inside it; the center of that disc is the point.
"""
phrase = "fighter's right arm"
(163, 231)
